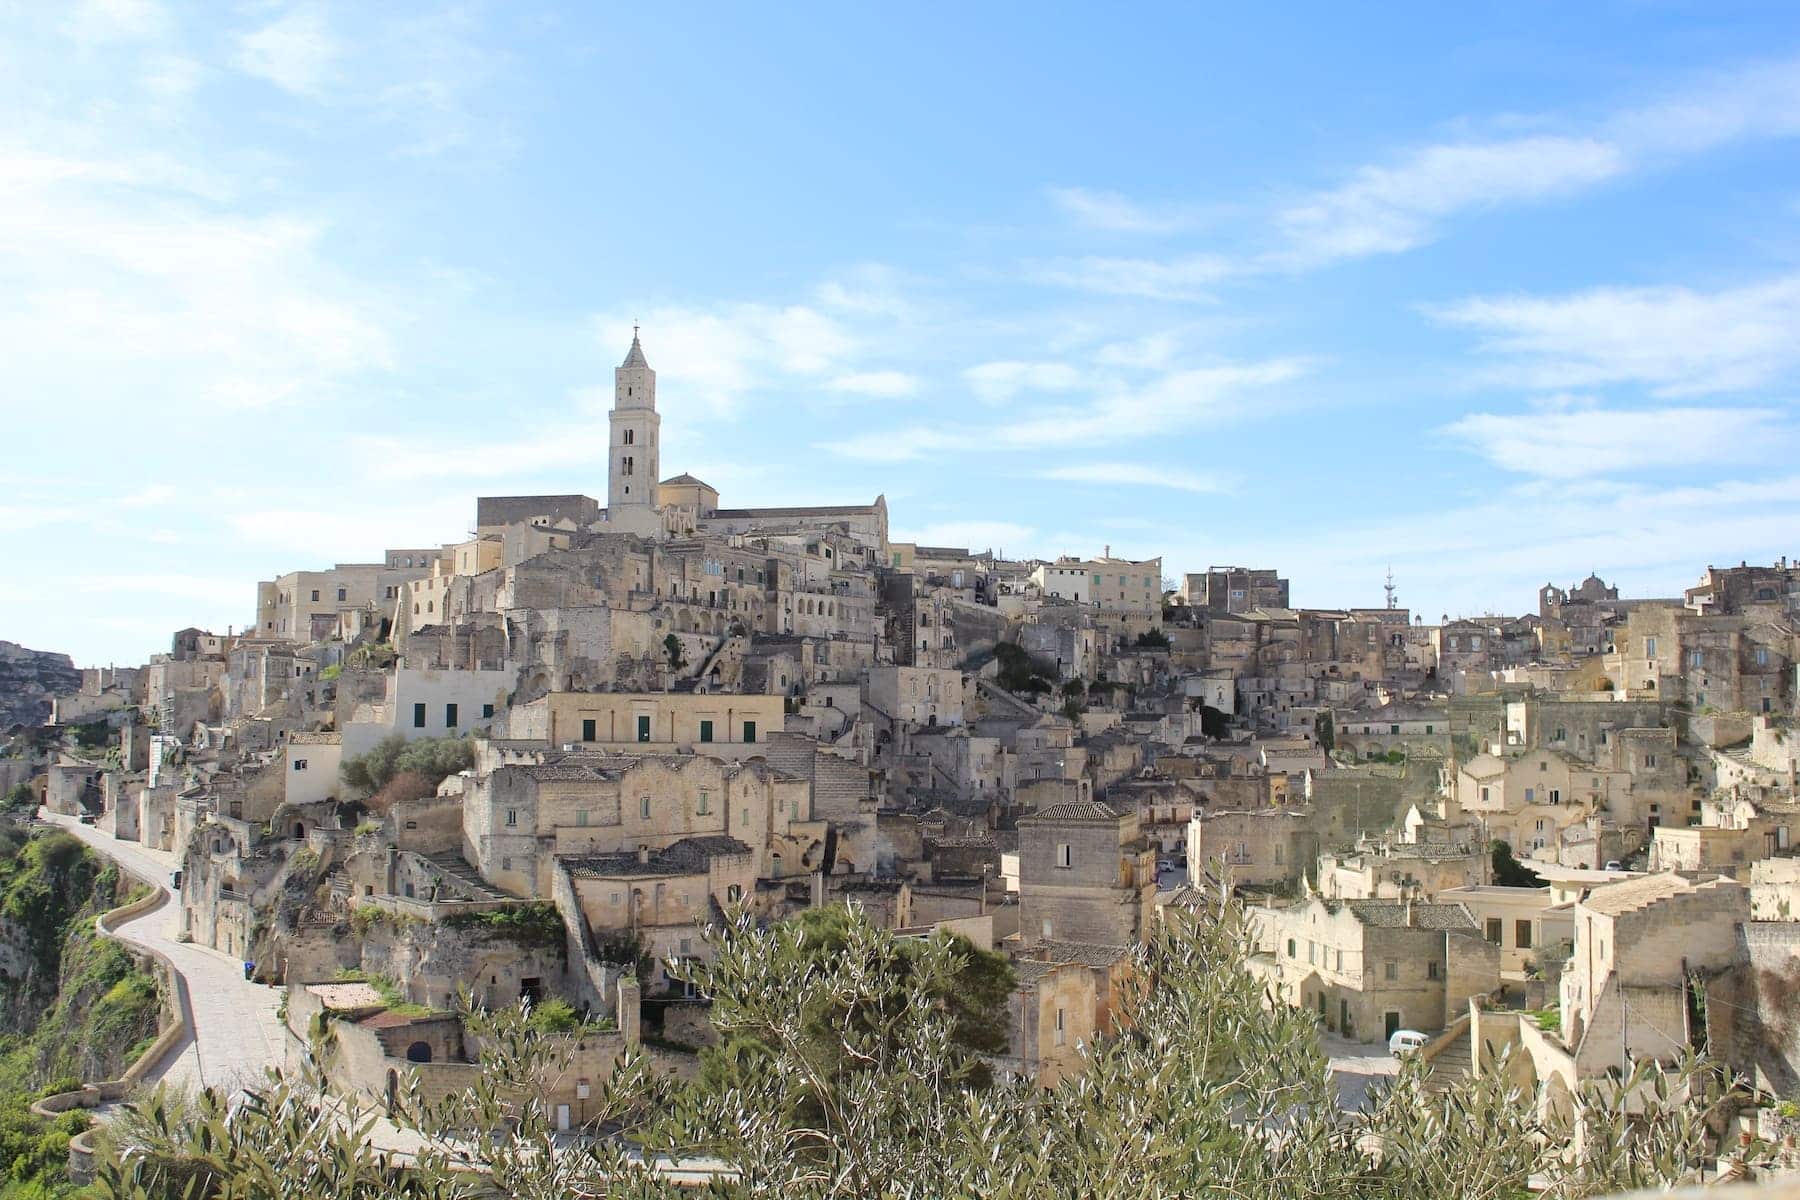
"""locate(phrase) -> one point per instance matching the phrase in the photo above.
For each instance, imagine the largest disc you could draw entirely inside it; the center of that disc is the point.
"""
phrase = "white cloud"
(1387, 209)
(1115, 213)
(889, 384)
(296, 52)
(708, 360)
(974, 535)
(1580, 444)
(1758, 101)
(1673, 340)
(998, 382)
(1136, 475)
(898, 445)
(100, 21)
(1172, 403)
(1185, 278)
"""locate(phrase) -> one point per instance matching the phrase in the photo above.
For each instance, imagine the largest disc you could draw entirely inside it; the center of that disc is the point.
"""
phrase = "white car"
(1405, 1042)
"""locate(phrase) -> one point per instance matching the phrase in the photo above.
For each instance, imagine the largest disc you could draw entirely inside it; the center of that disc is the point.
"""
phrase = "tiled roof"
(1392, 914)
(689, 856)
(1074, 810)
(1088, 954)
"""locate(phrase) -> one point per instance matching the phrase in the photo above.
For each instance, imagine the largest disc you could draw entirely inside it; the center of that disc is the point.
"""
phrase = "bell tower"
(632, 470)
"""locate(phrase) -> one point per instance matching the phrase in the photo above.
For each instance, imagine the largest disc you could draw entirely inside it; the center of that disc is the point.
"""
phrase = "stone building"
(1371, 967)
(1085, 875)
(1222, 590)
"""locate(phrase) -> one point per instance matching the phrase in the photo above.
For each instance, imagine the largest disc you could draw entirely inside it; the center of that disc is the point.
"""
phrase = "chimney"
(1409, 912)
(1106, 552)
(643, 855)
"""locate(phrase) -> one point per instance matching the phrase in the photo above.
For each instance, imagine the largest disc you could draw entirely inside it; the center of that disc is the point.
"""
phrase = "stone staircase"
(460, 878)
(1450, 1063)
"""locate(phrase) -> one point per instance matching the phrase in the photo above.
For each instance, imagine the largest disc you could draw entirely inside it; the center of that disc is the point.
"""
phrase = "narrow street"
(236, 1033)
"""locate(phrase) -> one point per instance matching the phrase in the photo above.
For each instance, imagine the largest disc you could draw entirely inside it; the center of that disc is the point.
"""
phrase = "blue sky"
(1496, 296)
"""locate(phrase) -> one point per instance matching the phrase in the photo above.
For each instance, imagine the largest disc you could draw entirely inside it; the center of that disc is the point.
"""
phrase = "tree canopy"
(434, 759)
(862, 1085)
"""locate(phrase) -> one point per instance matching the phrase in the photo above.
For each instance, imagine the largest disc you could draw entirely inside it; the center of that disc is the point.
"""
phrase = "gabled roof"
(685, 479)
(1074, 810)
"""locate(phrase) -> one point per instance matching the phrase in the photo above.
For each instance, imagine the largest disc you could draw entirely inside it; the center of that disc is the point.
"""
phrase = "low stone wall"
(178, 1024)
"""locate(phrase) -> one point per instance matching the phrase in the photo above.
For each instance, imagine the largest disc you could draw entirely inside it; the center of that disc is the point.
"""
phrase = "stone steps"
(467, 881)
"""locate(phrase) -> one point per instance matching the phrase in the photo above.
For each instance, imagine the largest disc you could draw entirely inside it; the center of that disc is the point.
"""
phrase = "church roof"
(685, 478)
(635, 356)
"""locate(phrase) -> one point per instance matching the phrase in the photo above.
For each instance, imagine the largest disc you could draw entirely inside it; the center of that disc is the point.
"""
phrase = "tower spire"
(1389, 587)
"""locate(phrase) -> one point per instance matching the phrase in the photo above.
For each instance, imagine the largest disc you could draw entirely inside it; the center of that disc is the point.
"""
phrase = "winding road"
(236, 1033)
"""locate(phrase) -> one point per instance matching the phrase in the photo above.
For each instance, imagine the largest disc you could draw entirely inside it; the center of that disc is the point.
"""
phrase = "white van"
(1405, 1042)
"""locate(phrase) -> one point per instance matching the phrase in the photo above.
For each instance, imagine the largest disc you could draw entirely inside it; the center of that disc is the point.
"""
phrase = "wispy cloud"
(1115, 213)
(709, 359)
(1391, 208)
(1136, 475)
(1673, 340)
(1173, 401)
(1186, 278)
(884, 384)
(296, 52)
(974, 535)
(998, 382)
(1594, 442)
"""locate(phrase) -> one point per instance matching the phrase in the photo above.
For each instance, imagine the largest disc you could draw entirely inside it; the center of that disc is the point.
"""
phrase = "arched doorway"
(419, 1052)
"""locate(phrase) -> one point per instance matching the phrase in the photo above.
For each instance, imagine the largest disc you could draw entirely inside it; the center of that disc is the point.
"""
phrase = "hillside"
(28, 679)
(73, 1006)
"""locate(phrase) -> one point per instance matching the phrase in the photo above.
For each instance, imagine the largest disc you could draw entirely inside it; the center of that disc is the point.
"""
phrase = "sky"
(1493, 295)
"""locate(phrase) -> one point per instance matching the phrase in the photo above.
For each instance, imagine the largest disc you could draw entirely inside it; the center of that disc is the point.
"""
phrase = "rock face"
(28, 679)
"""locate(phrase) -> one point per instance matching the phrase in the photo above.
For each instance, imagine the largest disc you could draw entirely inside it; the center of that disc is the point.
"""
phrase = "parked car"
(89, 819)
(1613, 864)
(175, 879)
(1405, 1042)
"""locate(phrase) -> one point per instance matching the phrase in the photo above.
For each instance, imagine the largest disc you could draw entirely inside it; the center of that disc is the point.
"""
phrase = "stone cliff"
(28, 679)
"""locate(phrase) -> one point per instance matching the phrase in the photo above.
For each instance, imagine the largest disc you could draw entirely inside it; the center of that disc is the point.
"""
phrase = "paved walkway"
(236, 1033)
(1355, 1066)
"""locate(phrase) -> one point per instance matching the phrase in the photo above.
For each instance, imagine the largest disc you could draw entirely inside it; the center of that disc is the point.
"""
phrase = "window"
(1540, 825)
(1696, 658)
(1522, 934)
(1556, 795)
(506, 863)
(1485, 793)
(449, 716)
(581, 818)
(587, 731)
(1393, 729)
(1493, 930)
(315, 595)
(643, 729)
(1065, 854)
(630, 434)
(1312, 949)
(512, 816)
(1434, 970)
(1649, 647)
(418, 716)
(1428, 729)
(1062, 1034)
(299, 764)
(1649, 760)
(1290, 947)
(1390, 971)
(1762, 656)
(704, 806)
(343, 594)
(746, 815)
(644, 807)
(706, 728)
(749, 731)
